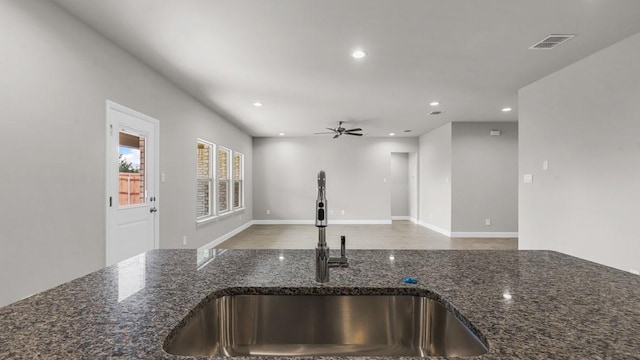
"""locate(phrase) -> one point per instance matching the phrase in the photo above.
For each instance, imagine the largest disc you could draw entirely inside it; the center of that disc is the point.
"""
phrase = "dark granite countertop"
(557, 307)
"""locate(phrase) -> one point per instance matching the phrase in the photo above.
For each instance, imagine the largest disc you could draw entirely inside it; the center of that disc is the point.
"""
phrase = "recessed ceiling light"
(507, 109)
(257, 104)
(434, 103)
(281, 134)
(392, 134)
(358, 54)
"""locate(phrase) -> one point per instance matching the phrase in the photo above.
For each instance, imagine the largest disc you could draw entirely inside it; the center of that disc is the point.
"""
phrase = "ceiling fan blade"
(354, 134)
(356, 129)
(322, 133)
(334, 130)
(336, 135)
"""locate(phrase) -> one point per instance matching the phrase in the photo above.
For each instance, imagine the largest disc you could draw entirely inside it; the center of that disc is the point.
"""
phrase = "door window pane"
(131, 175)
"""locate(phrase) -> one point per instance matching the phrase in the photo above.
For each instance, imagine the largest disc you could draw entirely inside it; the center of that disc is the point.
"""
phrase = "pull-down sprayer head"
(321, 201)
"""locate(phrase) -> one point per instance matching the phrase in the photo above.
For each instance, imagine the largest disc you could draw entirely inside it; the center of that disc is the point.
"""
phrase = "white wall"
(56, 76)
(399, 184)
(484, 179)
(585, 121)
(413, 186)
(435, 179)
(285, 172)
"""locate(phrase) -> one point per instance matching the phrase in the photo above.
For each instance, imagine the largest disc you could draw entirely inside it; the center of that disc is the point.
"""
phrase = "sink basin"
(319, 325)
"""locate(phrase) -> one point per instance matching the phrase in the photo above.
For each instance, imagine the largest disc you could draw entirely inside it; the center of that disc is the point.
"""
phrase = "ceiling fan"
(341, 131)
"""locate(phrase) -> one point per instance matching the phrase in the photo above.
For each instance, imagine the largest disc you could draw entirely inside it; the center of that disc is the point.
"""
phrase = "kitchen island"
(525, 304)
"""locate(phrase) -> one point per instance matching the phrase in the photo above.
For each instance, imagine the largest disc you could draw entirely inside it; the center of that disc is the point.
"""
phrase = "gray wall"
(399, 184)
(484, 178)
(585, 121)
(435, 178)
(285, 172)
(56, 76)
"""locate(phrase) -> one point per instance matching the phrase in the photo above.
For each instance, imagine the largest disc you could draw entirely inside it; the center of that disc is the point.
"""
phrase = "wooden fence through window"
(131, 189)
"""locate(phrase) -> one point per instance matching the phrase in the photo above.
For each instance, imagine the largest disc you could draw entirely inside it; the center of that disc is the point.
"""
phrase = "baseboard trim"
(400, 218)
(283, 222)
(227, 236)
(311, 222)
(458, 234)
(360, 222)
(435, 228)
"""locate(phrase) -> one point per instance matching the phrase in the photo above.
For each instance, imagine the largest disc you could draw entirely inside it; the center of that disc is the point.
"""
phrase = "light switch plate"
(545, 165)
(527, 178)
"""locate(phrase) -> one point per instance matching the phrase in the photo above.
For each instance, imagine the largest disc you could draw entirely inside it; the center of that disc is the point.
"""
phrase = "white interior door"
(132, 183)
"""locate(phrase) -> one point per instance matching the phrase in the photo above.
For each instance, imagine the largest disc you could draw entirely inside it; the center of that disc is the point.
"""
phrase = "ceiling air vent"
(551, 41)
(436, 112)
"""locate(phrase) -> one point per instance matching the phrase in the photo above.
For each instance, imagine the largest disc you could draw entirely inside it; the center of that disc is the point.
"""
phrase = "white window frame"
(241, 180)
(228, 179)
(213, 153)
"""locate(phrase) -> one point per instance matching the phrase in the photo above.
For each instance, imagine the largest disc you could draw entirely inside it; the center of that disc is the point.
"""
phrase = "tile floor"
(398, 235)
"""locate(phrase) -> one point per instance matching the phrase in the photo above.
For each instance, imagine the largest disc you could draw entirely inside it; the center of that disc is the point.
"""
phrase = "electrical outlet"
(268, 212)
(331, 212)
(342, 212)
(184, 240)
(487, 222)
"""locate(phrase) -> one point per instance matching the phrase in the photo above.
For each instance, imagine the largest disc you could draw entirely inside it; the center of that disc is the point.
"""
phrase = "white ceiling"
(294, 55)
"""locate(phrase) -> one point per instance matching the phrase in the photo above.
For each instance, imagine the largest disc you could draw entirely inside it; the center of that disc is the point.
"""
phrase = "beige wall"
(585, 121)
(399, 184)
(285, 172)
(468, 176)
(56, 75)
(435, 179)
(484, 178)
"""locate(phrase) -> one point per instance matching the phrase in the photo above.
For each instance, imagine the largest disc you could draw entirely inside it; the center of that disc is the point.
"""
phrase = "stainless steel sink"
(318, 325)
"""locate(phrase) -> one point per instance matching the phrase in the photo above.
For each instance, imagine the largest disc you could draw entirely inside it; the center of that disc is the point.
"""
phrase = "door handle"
(153, 209)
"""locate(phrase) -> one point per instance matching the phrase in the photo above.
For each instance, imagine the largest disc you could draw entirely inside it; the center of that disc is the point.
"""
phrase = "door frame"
(155, 177)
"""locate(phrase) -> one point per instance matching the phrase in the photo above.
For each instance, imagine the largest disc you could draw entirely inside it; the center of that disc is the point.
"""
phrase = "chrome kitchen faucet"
(323, 260)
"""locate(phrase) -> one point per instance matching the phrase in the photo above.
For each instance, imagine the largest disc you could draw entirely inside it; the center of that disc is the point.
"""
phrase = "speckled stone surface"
(560, 307)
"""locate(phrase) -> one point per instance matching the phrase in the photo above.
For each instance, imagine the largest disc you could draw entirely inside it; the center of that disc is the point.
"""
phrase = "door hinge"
(111, 129)
(110, 201)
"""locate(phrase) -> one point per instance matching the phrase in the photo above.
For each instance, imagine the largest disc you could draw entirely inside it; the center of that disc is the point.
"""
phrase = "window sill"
(225, 214)
(208, 219)
(205, 220)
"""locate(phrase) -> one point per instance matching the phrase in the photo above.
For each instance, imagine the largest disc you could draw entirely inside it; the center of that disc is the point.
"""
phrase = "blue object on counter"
(410, 280)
